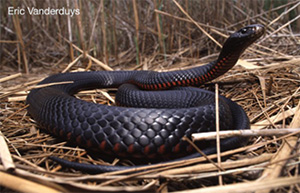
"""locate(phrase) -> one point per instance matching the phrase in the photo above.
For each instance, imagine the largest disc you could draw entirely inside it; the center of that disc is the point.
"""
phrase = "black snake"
(156, 121)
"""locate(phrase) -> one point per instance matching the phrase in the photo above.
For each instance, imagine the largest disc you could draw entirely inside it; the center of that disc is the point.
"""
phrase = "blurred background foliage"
(114, 30)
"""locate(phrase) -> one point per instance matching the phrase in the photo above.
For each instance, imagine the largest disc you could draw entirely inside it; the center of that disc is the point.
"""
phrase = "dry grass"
(154, 35)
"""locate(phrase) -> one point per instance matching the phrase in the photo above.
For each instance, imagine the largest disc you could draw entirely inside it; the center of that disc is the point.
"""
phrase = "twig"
(106, 67)
(136, 19)
(205, 167)
(72, 63)
(106, 95)
(262, 109)
(32, 87)
(284, 151)
(13, 76)
(9, 117)
(247, 186)
(18, 98)
(203, 154)
(186, 20)
(5, 155)
(281, 27)
(274, 119)
(218, 131)
(188, 16)
(80, 30)
(103, 28)
(284, 13)
(262, 81)
(23, 185)
(70, 33)
(94, 26)
(17, 25)
(245, 133)
(157, 19)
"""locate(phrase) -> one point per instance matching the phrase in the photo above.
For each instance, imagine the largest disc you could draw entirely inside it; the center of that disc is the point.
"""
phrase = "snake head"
(242, 39)
(249, 33)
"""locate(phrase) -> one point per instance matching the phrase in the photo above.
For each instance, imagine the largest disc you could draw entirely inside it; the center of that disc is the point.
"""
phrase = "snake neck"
(191, 77)
(225, 62)
(212, 70)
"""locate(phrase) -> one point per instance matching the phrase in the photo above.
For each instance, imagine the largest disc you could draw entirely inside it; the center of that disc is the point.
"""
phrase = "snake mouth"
(259, 30)
(248, 34)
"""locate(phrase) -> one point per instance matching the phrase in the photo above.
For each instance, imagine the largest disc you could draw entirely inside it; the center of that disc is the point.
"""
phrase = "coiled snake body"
(154, 127)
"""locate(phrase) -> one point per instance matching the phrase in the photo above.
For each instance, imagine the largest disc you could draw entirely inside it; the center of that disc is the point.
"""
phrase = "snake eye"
(244, 30)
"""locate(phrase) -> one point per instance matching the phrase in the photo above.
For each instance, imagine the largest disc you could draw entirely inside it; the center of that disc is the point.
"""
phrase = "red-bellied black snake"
(156, 121)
